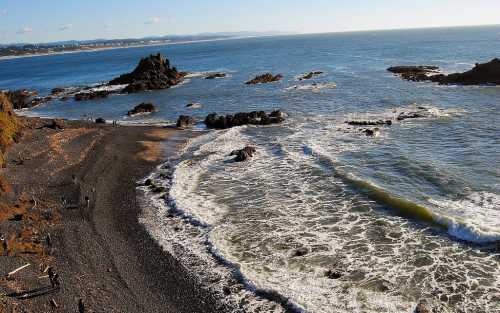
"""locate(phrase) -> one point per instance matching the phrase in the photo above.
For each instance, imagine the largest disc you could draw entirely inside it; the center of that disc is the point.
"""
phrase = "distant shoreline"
(11, 57)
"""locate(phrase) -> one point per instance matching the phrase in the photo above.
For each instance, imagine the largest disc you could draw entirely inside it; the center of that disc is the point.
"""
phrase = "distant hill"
(21, 49)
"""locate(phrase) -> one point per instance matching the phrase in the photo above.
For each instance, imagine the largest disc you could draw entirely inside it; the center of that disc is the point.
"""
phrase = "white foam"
(312, 87)
(475, 218)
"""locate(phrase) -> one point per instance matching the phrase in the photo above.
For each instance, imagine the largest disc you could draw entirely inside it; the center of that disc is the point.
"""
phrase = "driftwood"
(18, 269)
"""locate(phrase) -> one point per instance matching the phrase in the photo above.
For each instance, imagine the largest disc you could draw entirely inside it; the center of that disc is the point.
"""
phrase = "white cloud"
(25, 30)
(153, 20)
(66, 27)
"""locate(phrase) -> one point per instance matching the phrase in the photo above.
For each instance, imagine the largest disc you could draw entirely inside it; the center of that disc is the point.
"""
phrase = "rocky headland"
(482, 74)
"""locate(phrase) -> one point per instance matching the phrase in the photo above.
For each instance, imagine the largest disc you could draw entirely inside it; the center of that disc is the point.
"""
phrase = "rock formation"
(152, 73)
(482, 74)
(184, 121)
(265, 78)
(144, 107)
(91, 95)
(239, 119)
(310, 75)
(243, 154)
(215, 75)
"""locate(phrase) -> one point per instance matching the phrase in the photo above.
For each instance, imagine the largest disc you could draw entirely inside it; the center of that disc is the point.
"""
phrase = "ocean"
(410, 214)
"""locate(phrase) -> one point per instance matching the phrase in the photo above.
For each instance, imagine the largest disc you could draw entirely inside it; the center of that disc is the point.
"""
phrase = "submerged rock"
(194, 105)
(215, 75)
(92, 95)
(265, 78)
(243, 118)
(144, 107)
(333, 274)
(310, 75)
(300, 252)
(152, 73)
(184, 121)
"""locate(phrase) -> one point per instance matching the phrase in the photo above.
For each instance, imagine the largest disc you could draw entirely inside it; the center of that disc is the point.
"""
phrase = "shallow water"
(411, 213)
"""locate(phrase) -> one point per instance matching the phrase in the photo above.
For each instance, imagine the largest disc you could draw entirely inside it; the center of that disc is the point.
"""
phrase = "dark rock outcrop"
(92, 95)
(482, 74)
(239, 119)
(100, 120)
(300, 252)
(215, 75)
(152, 73)
(265, 78)
(310, 75)
(144, 107)
(333, 274)
(370, 123)
(184, 121)
(415, 73)
(243, 154)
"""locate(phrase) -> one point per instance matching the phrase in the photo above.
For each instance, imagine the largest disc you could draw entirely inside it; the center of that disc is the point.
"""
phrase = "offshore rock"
(152, 73)
(243, 118)
(144, 107)
(265, 78)
(482, 74)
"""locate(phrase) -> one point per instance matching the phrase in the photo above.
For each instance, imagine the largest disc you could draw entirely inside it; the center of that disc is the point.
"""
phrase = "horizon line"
(277, 33)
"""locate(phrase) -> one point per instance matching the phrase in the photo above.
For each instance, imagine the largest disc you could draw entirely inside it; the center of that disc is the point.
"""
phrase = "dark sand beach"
(81, 182)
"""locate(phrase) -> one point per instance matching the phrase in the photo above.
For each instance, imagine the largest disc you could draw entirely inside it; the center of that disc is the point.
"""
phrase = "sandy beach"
(80, 206)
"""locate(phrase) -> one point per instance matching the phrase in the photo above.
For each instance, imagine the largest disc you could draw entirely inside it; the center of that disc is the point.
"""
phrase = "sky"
(54, 20)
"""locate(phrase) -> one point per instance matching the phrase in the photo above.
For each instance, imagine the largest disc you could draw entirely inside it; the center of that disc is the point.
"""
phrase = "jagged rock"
(185, 121)
(215, 75)
(239, 119)
(152, 73)
(100, 120)
(144, 107)
(265, 78)
(482, 74)
(92, 95)
(310, 75)
(243, 154)
(333, 274)
(370, 123)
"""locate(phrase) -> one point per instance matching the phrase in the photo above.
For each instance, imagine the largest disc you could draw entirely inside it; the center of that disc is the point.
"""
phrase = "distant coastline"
(111, 47)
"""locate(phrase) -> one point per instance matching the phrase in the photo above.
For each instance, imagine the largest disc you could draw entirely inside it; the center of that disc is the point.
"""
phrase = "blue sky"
(50, 20)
